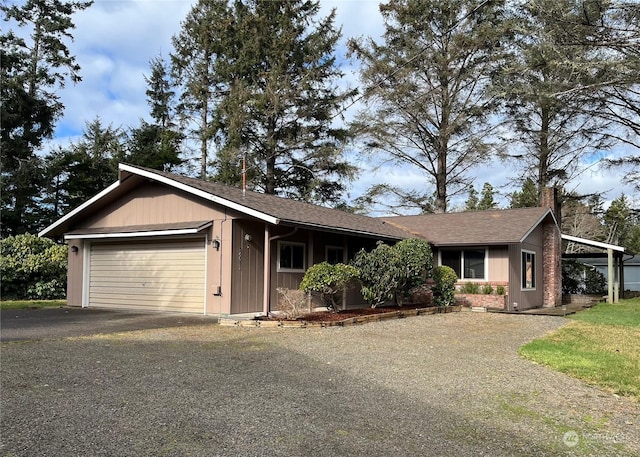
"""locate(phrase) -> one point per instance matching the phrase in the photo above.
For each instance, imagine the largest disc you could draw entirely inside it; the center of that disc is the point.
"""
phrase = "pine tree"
(527, 197)
(472, 201)
(281, 74)
(32, 71)
(551, 55)
(426, 81)
(487, 201)
(82, 170)
(203, 37)
(157, 145)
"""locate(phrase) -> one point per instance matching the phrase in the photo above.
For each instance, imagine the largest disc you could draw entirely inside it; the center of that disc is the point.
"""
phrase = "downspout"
(266, 295)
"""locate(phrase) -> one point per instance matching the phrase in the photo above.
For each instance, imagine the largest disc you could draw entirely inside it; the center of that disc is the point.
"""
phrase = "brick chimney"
(549, 199)
(551, 250)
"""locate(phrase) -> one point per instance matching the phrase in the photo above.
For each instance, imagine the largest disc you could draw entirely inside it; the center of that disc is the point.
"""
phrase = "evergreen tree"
(527, 197)
(618, 220)
(84, 169)
(472, 201)
(204, 37)
(486, 198)
(427, 104)
(157, 145)
(551, 54)
(32, 70)
(281, 76)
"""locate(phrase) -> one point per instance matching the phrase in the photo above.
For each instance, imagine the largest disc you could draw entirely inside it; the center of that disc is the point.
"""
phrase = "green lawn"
(23, 304)
(601, 346)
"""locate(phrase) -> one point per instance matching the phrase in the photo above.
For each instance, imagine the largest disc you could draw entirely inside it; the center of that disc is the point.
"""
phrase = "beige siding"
(74, 273)
(498, 264)
(153, 204)
(151, 276)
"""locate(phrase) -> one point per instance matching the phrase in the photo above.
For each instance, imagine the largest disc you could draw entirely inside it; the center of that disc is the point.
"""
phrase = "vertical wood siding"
(247, 267)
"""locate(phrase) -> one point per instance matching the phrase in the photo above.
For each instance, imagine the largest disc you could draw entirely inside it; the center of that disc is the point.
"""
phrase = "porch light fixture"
(248, 237)
(216, 244)
(74, 249)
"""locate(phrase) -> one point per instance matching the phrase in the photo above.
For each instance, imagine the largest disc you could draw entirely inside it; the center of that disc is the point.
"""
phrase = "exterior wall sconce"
(216, 244)
(74, 249)
(248, 237)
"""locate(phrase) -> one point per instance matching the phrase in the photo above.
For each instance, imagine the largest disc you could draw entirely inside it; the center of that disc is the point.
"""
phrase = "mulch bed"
(330, 316)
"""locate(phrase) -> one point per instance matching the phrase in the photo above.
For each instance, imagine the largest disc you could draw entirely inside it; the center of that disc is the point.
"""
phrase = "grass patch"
(626, 313)
(25, 304)
(601, 347)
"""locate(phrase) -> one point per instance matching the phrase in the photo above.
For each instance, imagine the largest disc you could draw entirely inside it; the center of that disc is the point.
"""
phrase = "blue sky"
(116, 39)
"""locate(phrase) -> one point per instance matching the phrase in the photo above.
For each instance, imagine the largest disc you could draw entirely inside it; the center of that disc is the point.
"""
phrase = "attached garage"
(167, 276)
(158, 241)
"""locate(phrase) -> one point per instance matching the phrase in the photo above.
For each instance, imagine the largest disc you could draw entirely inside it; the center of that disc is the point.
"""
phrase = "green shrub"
(379, 273)
(390, 272)
(578, 278)
(445, 284)
(487, 289)
(501, 290)
(32, 268)
(470, 288)
(328, 281)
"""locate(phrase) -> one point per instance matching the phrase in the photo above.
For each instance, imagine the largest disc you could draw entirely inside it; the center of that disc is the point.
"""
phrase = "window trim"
(535, 276)
(304, 257)
(326, 252)
(469, 248)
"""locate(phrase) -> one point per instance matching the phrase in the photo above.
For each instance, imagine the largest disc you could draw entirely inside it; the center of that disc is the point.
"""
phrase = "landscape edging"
(263, 323)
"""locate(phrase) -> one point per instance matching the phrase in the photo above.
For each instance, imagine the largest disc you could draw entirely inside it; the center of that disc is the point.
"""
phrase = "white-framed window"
(469, 264)
(291, 257)
(528, 270)
(334, 254)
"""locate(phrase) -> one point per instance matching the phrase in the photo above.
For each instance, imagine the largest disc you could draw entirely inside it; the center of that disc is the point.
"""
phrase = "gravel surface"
(436, 385)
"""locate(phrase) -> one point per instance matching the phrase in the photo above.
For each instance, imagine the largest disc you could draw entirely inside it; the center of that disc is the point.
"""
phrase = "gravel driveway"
(437, 385)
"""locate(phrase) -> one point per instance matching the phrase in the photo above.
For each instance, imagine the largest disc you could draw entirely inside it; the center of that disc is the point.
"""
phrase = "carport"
(615, 263)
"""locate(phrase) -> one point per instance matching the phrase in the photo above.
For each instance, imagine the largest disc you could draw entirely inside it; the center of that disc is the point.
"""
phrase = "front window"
(335, 255)
(467, 263)
(528, 270)
(291, 257)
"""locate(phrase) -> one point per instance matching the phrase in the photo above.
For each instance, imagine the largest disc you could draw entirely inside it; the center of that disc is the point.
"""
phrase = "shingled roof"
(270, 208)
(287, 211)
(474, 227)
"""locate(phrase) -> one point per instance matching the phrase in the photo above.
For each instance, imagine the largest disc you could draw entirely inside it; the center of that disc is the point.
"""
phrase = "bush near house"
(578, 278)
(32, 268)
(389, 273)
(445, 285)
(329, 282)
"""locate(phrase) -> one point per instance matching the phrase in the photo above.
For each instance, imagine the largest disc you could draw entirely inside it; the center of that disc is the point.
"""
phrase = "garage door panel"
(153, 276)
(184, 280)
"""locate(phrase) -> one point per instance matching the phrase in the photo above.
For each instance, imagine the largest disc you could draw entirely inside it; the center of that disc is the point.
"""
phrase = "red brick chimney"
(551, 250)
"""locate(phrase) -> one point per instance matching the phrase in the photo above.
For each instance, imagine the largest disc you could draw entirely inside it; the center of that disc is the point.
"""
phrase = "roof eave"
(597, 244)
(537, 223)
(47, 231)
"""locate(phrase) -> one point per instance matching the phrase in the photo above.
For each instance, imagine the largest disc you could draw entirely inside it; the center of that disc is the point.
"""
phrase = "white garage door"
(152, 276)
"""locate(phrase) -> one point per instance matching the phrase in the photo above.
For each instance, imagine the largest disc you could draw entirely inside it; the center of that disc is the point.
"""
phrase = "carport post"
(609, 275)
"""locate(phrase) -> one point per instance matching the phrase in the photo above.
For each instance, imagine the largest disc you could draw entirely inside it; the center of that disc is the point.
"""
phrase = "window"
(467, 263)
(334, 255)
(528, 270)
(291, 257)
(452, 259)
